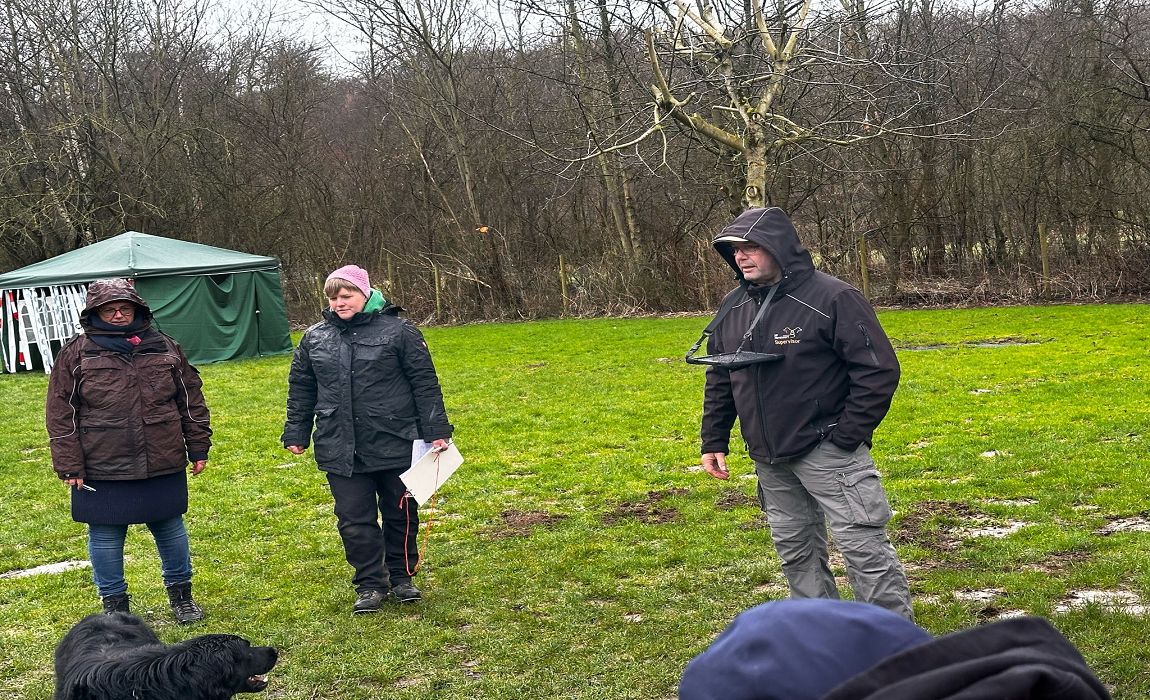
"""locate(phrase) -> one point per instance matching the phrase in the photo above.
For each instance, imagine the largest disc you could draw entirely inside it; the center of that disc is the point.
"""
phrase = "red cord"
(407, 524)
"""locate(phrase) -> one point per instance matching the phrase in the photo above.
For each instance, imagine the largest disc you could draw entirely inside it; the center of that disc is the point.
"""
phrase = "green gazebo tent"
(218, 304)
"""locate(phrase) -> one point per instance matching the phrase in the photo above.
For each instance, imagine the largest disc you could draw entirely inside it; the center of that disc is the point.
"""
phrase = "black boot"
(183, 607)
(117, 603)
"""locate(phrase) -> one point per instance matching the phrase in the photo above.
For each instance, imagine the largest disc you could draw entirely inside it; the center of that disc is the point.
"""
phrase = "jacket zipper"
(869, 347)
(759, 400)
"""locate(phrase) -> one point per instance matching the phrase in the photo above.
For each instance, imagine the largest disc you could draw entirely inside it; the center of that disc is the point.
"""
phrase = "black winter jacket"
(370, 387)
(1015, 659)
(838, 373)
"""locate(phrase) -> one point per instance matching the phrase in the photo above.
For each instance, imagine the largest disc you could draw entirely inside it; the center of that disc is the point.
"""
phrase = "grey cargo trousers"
(830, 486)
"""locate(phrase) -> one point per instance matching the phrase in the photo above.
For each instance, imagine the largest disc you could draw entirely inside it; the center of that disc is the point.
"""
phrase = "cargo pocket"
(865, 497)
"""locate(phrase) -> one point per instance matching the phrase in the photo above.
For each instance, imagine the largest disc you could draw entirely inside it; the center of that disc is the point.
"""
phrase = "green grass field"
(579, 553)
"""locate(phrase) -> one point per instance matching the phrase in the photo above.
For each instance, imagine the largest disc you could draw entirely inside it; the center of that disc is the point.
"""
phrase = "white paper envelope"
(429, 472)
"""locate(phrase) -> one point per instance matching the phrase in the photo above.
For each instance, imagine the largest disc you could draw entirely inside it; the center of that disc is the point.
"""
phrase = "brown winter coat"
(120, 416)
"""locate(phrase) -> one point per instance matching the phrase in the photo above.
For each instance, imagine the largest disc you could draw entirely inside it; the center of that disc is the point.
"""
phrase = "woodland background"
(538, 158)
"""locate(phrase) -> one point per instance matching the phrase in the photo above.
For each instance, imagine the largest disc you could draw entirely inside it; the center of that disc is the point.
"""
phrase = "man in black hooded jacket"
(807, 418)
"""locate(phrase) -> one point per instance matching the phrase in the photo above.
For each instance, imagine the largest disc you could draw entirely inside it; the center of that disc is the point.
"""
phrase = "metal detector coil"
(739, 358)
(734, 360)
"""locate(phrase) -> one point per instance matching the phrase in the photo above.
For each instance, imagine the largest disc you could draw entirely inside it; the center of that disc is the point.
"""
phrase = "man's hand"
(439, 445)
(715, 464)
(198, 466)
(296, 449)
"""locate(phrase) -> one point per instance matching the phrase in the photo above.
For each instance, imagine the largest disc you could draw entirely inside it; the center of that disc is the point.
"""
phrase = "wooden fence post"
(438, 298)
(1044, 256)
(563, 286)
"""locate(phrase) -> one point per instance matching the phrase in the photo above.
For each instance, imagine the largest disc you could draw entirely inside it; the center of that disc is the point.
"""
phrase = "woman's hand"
(198, 466)
(295, 449)
(439, 445)
(75, 483)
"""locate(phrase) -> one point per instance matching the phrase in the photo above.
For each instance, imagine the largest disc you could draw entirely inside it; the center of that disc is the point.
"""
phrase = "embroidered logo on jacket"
(788, 336)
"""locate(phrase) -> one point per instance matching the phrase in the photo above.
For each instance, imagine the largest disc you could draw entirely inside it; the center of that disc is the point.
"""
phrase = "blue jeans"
(106, 551)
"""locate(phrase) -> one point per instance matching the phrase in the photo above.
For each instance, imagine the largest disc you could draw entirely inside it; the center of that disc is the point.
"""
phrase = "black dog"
(117, 657)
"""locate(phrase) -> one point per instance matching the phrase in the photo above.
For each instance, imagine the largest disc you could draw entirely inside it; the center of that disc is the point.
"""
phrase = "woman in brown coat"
(125, 416)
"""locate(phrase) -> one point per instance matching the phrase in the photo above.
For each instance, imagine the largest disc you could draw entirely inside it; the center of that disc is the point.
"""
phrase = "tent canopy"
(134, 254)
(218, 304)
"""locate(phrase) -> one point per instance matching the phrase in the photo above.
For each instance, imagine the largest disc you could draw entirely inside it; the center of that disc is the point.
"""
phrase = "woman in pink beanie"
(363, 379)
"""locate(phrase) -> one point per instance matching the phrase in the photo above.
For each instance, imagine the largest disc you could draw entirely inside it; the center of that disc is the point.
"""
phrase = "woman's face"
(347, 303)
(117, 313)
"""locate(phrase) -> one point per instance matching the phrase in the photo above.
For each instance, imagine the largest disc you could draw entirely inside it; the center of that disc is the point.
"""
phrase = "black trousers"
(360, 502)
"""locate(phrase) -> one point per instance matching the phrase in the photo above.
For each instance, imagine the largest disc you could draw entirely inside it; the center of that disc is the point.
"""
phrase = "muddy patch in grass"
(650, 509)
(519, 523)
(932, 524)
(943, 525)
(1060, 561)
(735, 499)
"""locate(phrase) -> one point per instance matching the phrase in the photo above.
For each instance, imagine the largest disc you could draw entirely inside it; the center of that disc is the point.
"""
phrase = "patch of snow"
(56, 568)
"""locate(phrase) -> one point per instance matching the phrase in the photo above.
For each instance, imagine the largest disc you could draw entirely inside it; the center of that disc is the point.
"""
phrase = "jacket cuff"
(197, 456)
(723, 446)
(846, 445)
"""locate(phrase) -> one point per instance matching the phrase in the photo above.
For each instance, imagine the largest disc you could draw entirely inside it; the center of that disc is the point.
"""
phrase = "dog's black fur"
(117, 657)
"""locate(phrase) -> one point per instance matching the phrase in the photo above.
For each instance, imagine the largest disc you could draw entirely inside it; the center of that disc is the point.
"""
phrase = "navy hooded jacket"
(838, 373)
(796, 649)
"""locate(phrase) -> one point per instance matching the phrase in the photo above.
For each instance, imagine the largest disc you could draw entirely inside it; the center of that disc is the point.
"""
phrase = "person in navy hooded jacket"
(844, 650)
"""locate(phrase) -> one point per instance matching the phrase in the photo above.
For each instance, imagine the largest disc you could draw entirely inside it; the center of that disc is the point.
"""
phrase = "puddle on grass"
(56, 568)
(1010, 501)
(1112, 601)
(1138, 524)
(518, 523)
(995, 531)
(989, 343)
(984, 595)
(649, 510)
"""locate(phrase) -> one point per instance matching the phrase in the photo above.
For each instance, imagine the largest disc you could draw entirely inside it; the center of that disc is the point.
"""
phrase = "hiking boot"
(368, 602)
(183, 607)
(406, 593)
(120, 602)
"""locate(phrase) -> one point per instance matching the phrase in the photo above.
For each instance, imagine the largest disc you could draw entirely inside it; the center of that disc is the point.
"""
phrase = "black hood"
(771, 229)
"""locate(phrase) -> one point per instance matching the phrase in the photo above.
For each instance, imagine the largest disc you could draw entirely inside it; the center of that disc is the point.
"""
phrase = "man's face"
(347, 303)
(756, 264)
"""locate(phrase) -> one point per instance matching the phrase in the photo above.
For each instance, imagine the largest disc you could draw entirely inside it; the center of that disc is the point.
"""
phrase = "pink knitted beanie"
(354, 274)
